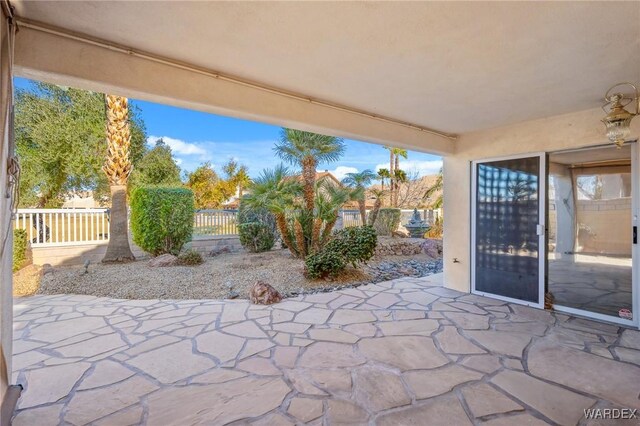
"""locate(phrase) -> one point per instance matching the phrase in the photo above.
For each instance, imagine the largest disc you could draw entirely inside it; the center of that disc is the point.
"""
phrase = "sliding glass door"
(508, 229)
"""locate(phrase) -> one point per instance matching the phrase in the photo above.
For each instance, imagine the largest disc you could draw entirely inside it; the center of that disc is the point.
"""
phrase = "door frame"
(542, 234)
(635, 248)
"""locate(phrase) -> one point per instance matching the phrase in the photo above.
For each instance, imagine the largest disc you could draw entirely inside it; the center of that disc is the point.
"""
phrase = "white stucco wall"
(566, 131)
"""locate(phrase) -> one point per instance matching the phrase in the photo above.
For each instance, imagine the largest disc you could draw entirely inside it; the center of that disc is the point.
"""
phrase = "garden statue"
(416, 226)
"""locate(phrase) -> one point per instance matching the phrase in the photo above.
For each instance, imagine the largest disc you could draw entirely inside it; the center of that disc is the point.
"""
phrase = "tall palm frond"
(434, 189)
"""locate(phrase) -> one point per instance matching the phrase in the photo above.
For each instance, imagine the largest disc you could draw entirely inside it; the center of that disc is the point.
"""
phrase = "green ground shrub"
(190, 258)
(248, 214)
(19, 248)
(256, 237)
(162, 218)
(352, 245)
(387, 222)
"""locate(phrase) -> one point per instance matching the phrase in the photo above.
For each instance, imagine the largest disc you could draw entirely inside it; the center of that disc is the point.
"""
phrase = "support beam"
(68, 59)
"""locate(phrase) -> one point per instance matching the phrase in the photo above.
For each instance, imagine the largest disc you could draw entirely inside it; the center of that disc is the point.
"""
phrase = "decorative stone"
(105, 372)
(558, 404)
(422, 327)
(332, 335)
(216, 404)
(330, 355)
(220, 345)
(404, 352)
(313, 316)
(444, 411)
(340, 411)
(172, 363)
(453, 343)
(502, 342)
(305, 409)
(332, 380)
(586, 372)
(380, 390)
(426, 384)
(162, 261)
(262, 293)
(50, 384)
(483, 400)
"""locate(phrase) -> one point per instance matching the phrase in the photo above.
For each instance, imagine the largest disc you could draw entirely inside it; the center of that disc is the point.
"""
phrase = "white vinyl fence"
(62, 227)
(352, 217)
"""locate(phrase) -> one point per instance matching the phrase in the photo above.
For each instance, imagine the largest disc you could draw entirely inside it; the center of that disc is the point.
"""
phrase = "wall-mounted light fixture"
(618, 119)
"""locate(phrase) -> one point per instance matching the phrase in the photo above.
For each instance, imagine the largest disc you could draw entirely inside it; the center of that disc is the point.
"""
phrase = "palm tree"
(276, 191)
(329, 200)
(436, 188)
(242, 180)
(397, 174)
(118, 167)
(359, 181)
(307, 150)
(379, 195)
(382, 175)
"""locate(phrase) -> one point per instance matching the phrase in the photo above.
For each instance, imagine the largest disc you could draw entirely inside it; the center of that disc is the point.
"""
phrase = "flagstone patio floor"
(407, 351)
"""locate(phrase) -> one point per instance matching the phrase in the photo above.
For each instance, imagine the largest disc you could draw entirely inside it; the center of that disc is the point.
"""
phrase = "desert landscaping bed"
(226, 275)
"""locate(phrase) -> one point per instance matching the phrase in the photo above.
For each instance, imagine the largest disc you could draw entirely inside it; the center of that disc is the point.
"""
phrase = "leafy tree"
(60, 139)
(379, 195)
(157, 167)
(204, 182)
(359, 182)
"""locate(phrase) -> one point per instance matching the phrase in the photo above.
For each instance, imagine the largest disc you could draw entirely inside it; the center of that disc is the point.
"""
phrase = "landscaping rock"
(163, 260)
(218, 251)
(264, 294)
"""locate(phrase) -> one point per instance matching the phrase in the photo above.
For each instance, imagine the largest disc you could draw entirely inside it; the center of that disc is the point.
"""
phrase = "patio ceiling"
(453, 67)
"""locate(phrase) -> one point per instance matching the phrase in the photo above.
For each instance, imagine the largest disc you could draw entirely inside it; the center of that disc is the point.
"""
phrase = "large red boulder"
(262, 293)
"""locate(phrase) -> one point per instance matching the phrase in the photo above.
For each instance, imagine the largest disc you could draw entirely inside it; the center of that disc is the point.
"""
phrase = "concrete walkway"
(401, 352)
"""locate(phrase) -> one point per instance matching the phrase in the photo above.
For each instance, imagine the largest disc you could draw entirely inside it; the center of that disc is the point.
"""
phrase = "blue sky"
(196, 137)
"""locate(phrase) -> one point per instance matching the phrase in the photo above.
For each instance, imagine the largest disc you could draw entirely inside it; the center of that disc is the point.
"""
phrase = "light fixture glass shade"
(618, 121)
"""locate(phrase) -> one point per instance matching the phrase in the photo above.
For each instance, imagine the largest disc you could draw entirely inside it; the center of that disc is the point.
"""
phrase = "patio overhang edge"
(55, 56)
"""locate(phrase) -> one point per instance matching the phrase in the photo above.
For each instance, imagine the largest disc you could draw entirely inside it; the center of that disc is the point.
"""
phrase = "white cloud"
(178, 146)
(423, 168)
(341, 171)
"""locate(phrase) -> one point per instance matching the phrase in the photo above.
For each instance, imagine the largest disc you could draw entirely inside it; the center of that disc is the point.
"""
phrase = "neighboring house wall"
(573, 130)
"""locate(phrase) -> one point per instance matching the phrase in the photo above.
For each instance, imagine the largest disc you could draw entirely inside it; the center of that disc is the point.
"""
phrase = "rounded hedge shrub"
(356, 244)
(350, 245)
(162, 218)
(256, 237)
(190, 258)
(387, 222)
(19, 248)
(323, 264)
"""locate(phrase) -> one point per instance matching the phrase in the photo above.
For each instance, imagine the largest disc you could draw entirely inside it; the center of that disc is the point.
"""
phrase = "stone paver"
(400, 352)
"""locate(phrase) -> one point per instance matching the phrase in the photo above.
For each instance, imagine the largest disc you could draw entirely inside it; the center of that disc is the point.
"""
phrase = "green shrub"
(19, 248)
(256, 237)
(323, 264)
(161, 218)
(190, 258)
(387, 222)
(248, 214)
(350, 245)
(356, 244)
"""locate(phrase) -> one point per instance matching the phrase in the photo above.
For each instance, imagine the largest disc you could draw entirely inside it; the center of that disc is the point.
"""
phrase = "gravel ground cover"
(223, 276)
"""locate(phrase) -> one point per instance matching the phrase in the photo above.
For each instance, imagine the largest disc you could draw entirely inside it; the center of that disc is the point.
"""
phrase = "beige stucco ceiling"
(455, 67)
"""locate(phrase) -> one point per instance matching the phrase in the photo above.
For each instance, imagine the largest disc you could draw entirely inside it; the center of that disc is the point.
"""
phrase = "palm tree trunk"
(309, 178)
(392, 176)
(315, 235)
(374, 213)
(281, 223)
(363, 212)
(118, 249)
(326, 232)
(299, 234)
(396, 192)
